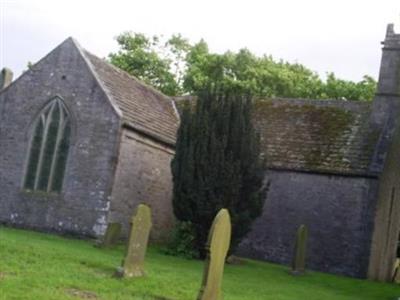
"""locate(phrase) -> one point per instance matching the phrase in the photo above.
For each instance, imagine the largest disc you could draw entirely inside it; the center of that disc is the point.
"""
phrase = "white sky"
(342, 36)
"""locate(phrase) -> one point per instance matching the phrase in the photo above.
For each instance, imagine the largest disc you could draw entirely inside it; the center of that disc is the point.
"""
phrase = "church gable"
(57, 119)
(63, 72)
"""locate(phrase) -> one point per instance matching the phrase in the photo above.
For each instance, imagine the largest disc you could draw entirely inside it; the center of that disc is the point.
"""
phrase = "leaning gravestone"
(299, 259)
(111, 236)
(133, 264)
(217, 246)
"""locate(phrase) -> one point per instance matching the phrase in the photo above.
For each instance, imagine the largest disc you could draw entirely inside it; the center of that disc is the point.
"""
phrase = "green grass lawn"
(42, 266)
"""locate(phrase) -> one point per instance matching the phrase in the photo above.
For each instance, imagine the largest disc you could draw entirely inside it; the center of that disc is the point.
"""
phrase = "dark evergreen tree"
(217, 165)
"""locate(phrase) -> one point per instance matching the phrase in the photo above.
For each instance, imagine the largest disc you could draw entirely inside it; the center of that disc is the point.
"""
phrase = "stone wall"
(386, 111)
(337, 210)
(83, 204)
(143, 176)
(387, 218)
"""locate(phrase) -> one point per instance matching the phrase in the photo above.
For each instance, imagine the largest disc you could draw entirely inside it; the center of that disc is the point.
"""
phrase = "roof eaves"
(140, 129)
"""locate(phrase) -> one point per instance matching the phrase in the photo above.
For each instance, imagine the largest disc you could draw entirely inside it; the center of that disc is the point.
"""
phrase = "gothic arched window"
(48, 148)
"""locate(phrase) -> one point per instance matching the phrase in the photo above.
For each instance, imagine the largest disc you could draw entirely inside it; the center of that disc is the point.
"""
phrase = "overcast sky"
(341, 36)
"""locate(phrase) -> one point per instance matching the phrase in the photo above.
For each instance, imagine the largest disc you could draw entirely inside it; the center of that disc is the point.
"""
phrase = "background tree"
(177, 67)
(156, 62)
(217, 165)
(266, 77)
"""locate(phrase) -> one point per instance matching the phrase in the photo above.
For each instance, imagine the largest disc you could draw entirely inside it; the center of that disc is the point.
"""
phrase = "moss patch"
(314, 135)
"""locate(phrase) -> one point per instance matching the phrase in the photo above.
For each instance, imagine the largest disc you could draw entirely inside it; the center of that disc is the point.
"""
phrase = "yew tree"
(217, 165)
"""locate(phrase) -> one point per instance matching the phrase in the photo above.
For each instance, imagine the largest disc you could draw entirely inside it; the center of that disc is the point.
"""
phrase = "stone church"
(82, 143)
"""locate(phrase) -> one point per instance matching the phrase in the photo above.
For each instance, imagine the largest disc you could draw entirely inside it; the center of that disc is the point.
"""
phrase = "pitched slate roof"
(142, 107)
(319, 136)
(331, 136)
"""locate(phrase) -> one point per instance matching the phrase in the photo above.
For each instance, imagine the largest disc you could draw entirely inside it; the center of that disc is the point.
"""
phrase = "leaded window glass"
(48, 148)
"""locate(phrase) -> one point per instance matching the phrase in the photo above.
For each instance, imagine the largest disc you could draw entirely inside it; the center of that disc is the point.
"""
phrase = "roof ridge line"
(316, 101)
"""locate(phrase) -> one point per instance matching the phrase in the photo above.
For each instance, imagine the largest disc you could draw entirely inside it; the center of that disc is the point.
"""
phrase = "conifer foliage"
(217, 165)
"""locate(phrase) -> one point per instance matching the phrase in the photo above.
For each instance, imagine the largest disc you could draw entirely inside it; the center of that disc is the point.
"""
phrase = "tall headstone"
(133, 264)
(218, 243)
(111, 236)
(299, 259)
(396, 271)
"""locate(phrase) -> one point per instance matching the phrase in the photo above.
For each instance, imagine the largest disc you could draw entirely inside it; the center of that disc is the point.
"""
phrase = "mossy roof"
(317, 136)
(331, 136)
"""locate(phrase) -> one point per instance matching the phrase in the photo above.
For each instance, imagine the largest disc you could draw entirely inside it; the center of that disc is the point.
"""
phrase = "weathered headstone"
(133, 264)
(396, 272)
(299, 259)
(111, 236)
(217, 246)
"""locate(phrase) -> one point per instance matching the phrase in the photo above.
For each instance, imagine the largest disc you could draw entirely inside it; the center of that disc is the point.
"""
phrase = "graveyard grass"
(43, 266)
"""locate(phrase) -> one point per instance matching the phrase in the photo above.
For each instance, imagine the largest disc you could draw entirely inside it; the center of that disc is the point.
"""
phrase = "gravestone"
(133, 264)
(396, 272)
(111, 236)
(299, 259)
(217, 247)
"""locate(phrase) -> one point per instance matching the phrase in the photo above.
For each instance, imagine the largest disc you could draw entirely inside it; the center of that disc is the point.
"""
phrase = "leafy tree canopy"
(156, 62)
(177, 67)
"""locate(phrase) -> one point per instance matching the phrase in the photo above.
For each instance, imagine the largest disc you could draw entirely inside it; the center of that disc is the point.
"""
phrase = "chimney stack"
(6, 77)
